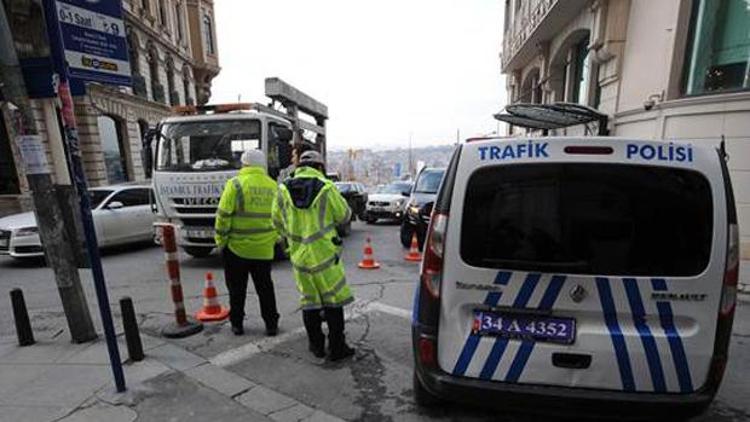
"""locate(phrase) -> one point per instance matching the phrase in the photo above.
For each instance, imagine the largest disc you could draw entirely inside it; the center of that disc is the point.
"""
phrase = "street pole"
(49, 214)
(79, 179)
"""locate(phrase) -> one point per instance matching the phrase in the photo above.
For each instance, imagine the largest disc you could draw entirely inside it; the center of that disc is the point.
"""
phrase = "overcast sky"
(385, 68)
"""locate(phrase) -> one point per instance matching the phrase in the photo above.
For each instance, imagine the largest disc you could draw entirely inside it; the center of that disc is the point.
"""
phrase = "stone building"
(173, 56)
(667, 69)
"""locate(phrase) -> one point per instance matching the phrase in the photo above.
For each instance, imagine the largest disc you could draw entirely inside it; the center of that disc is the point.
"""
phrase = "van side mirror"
(115, 205)
(283, 134)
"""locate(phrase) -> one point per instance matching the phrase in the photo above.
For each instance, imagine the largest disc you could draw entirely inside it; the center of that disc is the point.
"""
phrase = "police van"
(592, 275)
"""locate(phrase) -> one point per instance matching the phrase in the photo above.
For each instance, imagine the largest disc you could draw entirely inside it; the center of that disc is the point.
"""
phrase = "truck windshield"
(206, 145)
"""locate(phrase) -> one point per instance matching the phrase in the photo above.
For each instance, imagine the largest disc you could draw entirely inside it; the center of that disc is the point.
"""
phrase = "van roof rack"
(553, 116)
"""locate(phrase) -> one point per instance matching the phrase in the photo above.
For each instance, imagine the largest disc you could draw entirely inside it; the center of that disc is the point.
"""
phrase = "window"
(8, 175)
(208, 34)
(718, 47)
(172, 93)
(132, 197)
(429, 181)
(584, 218)
(115, 159)
(186, 86)
(581, 70)
(97, 196)
(162, 14)
(178, 19)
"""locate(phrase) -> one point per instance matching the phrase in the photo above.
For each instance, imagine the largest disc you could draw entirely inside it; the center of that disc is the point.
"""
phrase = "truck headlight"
(27, 231)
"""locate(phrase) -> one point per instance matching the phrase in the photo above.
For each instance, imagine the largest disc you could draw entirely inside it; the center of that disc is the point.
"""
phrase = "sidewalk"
(54, 380)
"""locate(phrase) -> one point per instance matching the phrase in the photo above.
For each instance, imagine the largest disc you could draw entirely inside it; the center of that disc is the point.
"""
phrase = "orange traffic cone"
(212, 309)
(414, 254)
(368, 262)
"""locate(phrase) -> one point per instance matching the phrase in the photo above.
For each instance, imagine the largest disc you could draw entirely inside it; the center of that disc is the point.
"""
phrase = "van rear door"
(584, 263)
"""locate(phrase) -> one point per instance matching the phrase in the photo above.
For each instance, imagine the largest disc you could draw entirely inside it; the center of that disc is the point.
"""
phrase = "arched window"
(174, 97)
(157, 89)
(113, 148)
(179, 22)
(186, 86)
(208, 34)
(133, 55)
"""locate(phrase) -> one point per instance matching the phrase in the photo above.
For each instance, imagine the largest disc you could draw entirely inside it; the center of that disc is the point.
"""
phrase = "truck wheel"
(406, 233)
(423, 397)
(198, 251)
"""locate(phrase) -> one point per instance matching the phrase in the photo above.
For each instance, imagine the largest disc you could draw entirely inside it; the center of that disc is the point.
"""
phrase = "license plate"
(200, 233)
(525, 327)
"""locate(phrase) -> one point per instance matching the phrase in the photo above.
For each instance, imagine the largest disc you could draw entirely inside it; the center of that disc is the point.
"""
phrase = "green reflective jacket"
(310, 230)
(243, 220)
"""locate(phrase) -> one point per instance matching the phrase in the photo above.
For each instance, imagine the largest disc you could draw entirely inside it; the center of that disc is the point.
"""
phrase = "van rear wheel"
(423, 397)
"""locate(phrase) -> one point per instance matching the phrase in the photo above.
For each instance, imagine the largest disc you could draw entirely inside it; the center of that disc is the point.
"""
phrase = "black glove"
(337, 241)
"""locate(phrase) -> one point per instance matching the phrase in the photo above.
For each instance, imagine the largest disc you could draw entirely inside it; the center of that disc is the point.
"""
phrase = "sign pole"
(74, 155)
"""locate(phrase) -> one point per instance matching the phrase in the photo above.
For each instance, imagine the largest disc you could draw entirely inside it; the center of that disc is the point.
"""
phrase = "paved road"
(375, 386)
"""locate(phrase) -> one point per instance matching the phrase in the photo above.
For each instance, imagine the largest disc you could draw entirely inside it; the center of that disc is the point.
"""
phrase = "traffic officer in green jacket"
(307, 211)
(246, 237)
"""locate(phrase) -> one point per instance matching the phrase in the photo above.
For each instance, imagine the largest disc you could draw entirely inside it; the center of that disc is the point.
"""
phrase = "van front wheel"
(423, 397)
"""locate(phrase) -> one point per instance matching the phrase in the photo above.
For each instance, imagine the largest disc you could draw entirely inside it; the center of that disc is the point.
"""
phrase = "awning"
(552, 116)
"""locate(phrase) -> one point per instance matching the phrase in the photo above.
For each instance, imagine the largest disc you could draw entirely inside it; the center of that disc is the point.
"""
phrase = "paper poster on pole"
(33, 154)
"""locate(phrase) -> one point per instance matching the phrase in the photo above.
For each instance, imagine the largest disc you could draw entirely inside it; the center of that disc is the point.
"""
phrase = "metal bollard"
(183, 326)
(21, 317)
(130, 325)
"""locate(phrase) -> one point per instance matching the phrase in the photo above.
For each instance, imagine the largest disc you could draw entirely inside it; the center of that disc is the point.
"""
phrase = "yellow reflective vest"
(243, 220)
(307, 210)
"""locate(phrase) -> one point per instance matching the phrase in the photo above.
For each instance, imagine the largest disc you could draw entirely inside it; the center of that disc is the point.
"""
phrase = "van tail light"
(432, 266)
(731, 274)
(427, 352)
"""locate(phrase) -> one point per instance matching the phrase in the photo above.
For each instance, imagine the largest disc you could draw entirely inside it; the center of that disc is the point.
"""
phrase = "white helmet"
(253, 158)
(311, 157)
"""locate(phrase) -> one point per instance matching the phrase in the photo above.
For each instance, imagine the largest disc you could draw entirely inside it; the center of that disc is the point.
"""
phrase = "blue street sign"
(93, 40)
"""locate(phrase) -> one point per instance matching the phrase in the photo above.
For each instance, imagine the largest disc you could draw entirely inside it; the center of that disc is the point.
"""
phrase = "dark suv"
(356, 195)
(419, 206)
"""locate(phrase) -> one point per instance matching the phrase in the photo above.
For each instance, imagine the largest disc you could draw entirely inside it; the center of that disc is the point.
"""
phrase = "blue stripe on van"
(618, 341)
(524, 352)
(415, 305)
(673, 337)
(498, 349)
(649, 344)
(467, 353)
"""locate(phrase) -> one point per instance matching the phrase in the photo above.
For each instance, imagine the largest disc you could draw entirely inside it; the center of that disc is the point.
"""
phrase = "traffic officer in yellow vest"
(307, 211)
(246, 237)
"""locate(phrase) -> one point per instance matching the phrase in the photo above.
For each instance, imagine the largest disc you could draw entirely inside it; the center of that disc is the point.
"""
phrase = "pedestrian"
(306, 212)
(297, 151)
(246, 237)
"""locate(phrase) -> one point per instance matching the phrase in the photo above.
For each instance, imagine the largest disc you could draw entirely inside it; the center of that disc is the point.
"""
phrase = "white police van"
(590, 275)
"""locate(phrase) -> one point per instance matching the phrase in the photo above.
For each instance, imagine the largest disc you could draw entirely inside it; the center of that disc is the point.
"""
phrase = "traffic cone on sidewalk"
(212, 309)
(414, 255)
(368, 262)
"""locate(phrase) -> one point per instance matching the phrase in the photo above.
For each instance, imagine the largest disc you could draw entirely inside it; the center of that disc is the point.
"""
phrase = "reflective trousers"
(236, 271)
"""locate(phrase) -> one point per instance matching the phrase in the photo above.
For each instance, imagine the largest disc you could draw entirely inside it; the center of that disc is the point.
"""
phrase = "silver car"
(122, 214)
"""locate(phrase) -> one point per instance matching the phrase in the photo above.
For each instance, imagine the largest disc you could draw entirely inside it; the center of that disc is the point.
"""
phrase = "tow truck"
(190, 156)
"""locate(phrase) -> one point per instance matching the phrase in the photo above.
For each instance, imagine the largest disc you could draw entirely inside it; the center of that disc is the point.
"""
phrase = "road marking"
(248, 350)
(388, 309)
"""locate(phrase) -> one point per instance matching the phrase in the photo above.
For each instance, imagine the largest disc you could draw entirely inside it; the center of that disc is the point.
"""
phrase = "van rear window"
(586, 218)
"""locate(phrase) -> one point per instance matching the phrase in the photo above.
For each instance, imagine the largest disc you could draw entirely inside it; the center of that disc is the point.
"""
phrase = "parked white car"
(122, 214)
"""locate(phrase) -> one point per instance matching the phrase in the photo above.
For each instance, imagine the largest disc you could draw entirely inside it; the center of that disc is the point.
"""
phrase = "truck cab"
(195, 155)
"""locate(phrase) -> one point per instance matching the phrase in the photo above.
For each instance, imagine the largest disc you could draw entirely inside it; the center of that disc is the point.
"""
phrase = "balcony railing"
(522, 28)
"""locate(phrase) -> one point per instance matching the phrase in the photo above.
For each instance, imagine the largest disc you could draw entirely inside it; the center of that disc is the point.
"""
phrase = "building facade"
(667, 69)
(173, 57)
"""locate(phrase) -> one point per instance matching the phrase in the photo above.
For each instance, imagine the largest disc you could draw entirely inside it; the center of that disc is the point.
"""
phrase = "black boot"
(337, 347)
(315, 336)
(272, 326)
